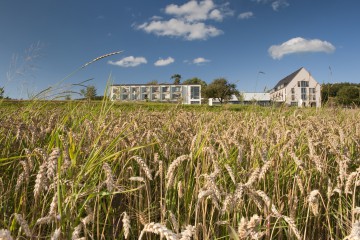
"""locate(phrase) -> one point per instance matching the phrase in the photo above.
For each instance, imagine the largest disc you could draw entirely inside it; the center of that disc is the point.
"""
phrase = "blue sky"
(43, 41)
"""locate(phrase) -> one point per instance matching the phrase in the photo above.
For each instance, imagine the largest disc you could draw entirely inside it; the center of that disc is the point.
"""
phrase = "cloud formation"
(179, 28)
(275, 4)
(164, 62)
(188, 20)
(300, 45)
(130, 61)
(193, 11)
(200, 60)
(246, 15)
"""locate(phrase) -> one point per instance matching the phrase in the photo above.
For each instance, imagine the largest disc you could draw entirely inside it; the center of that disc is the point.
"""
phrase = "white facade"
(297, 89)
(259, 98)
(187, 94)
(256, 97)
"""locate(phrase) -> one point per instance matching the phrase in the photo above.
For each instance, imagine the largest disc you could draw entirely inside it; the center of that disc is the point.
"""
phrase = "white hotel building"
(187, 94)
(297, 89)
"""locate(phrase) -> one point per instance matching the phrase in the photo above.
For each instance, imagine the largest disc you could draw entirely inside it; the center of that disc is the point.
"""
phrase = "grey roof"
(286, 80)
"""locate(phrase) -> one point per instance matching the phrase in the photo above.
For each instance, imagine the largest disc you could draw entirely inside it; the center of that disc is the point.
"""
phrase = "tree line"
(341, 94)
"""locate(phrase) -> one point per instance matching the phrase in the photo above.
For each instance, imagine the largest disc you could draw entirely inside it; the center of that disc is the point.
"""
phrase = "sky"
(251, 43)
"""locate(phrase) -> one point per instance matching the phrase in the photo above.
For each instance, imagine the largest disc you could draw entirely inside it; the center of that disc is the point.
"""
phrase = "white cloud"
(200, 60)
(246, 15)
(179, 28)
(300, 45)
(279, 4)
(130, 61)
(192, 10)
(164, 62)
(188, 20)
(260, 1)
(275, 4)
(154, 18)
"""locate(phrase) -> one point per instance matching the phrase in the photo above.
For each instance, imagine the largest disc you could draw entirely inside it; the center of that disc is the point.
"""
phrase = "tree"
(348, 95)
(153, 82)
(2, 92)
(342, 93)
(220, 89)
(177, 78)
(197, 81)
(89, 92)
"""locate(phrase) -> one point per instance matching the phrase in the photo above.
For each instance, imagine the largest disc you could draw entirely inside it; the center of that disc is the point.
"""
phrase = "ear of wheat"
(5, 234)
(158, 229)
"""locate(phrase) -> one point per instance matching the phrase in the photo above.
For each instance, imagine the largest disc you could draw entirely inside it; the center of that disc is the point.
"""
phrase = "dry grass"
(80, 170)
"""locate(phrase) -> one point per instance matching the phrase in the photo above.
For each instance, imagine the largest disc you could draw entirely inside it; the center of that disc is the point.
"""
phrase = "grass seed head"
(24, 225)
(126, 225)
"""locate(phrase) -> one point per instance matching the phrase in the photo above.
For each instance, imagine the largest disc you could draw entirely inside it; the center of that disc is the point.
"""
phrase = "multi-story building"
(297, 89)
(187, 94)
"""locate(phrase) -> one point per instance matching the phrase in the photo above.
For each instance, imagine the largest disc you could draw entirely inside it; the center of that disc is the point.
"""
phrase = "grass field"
(98, 170)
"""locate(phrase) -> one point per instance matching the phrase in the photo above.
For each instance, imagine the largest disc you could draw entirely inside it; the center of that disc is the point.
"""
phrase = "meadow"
(99, 170)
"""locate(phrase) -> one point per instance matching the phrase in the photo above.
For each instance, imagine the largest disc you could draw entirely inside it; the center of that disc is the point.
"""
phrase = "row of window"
(303, 83)
(176, 93)
(303, 90)
(304, 97)
(146, 89)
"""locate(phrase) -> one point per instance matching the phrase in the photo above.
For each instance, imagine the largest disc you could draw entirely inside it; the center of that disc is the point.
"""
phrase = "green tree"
(341, 93)
(2, 91)
(221, 89)
(197, 81)
(348, 95)
(153, 82)
(89, 92)
(177, 78)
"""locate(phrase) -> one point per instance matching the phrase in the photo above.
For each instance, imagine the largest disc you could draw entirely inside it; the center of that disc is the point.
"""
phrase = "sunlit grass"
(104, 170)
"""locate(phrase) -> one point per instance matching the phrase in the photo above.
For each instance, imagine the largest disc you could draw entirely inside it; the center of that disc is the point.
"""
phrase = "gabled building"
(297, 89)
(187, 94)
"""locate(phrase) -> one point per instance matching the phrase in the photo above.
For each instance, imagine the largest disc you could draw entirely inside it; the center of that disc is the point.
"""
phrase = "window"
(116, 90)
(293, 91)
(303, 84)
(176, 89)
(312, 95)
(195, 92)
(303, 93)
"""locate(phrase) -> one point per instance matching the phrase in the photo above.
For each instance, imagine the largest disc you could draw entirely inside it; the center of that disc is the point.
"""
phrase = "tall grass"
(104, 171)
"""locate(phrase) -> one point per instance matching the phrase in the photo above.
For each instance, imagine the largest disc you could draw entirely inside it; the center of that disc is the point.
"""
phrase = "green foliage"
(349, 95)
(177, 78)
(89, 92)
(221, 89)
(340, 93)
(2, 92)
(198, 81)
(153, 82)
